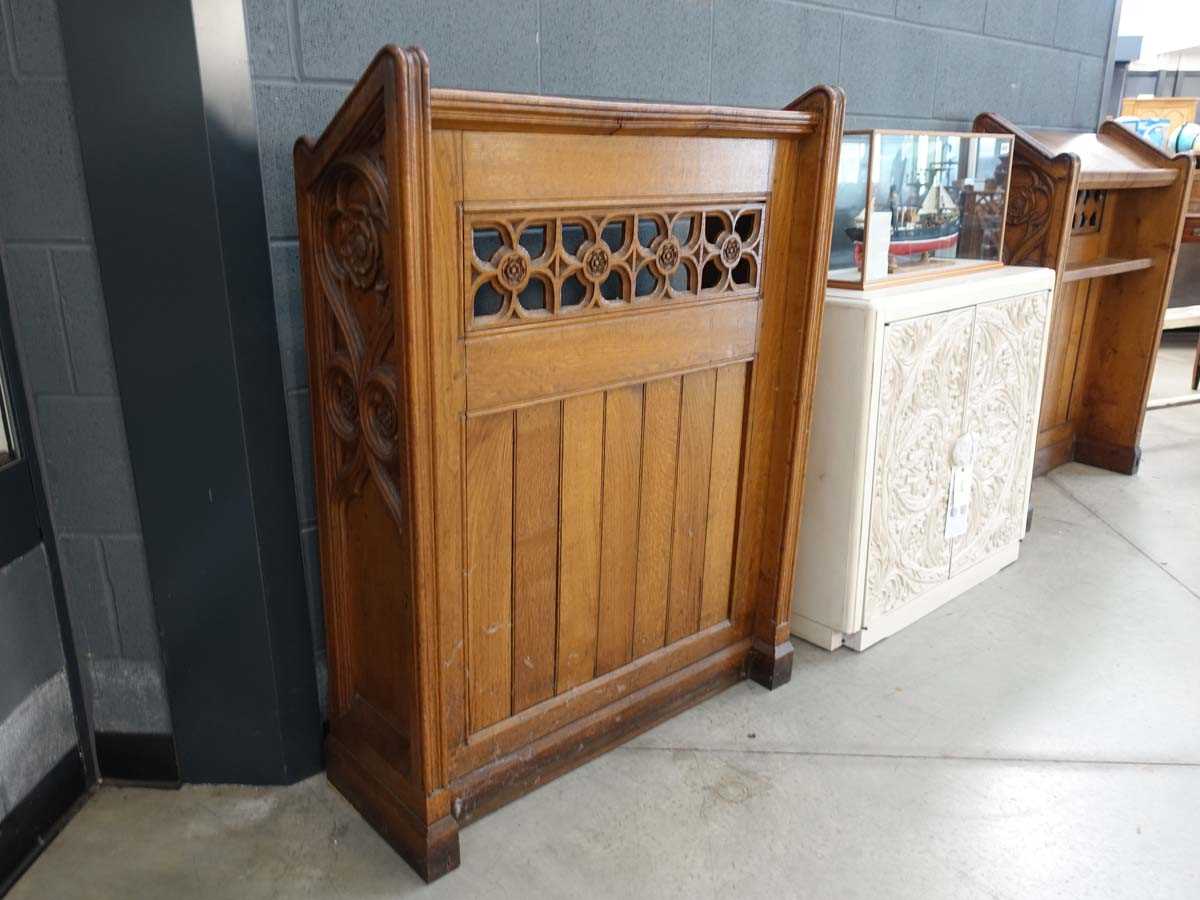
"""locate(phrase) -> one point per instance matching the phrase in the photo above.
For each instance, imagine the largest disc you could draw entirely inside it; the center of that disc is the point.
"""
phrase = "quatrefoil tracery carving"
(529, 266)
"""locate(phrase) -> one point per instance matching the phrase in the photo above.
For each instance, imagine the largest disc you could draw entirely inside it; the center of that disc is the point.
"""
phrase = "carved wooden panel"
(359, 387)
(922, 397)
(1030, 208)
(600, 528)
(361, 443)
(1004, 385)
(542, 264)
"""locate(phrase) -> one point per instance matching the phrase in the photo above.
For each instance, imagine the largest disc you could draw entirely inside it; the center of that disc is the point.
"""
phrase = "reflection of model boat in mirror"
(931, 227)
(918, 230)
(917, 205)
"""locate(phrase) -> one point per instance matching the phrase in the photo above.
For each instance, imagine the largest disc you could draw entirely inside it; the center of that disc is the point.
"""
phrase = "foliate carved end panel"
(358, 389)
(1030, 209)
(548, 264)
(349, 238)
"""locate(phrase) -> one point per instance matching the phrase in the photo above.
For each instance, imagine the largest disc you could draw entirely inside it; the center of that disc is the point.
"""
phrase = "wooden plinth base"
(511, 776)
(1104, 455)
(432, 850)
(1101, 454)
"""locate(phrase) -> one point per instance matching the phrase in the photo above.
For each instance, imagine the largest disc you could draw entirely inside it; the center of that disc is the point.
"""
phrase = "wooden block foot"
(771, 666)
(431, 849)
(1103, 455)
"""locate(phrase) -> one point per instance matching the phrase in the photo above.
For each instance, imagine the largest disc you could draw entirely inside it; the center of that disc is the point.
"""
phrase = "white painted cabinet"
(919, 388)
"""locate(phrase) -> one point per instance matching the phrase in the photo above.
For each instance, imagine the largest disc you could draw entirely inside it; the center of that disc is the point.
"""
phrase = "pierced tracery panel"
(536, 265)
(1089, 211)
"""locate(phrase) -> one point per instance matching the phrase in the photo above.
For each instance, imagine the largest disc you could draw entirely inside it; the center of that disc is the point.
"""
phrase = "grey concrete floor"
(1173, 369)
(1037, 737)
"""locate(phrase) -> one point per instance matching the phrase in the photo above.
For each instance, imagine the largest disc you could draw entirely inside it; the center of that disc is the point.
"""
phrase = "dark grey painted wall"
(36, 724)
(168, 138)
(62, 333)
(931, 63)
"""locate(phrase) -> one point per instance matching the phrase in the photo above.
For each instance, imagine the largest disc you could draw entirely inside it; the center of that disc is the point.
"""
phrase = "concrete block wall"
(922, 63)
(1162, 83)
(62, 335)
(37, 727)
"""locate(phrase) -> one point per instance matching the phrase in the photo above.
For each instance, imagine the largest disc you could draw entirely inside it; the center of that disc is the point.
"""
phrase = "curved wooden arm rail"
(562, 355)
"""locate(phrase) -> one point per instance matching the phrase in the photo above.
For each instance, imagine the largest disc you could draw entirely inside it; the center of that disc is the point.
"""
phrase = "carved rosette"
(354, 249)
(512, 268)
(359, 391)
(731, 250)
(667, 255)
(1030, 202)
(597, 260)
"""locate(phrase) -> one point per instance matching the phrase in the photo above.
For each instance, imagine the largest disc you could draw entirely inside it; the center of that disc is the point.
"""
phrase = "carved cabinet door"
(1006, 355)
(925, 377)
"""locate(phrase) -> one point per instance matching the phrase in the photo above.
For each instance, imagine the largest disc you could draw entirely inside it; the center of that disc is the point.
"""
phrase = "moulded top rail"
(1103, 163)
(470, 110)
(489, 111)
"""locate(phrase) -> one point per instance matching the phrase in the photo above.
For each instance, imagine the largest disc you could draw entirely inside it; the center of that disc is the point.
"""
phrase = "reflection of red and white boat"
(922, 241)
(919, 232)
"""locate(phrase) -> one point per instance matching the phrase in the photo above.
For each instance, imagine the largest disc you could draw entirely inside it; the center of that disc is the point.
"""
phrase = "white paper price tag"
(960, 487)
